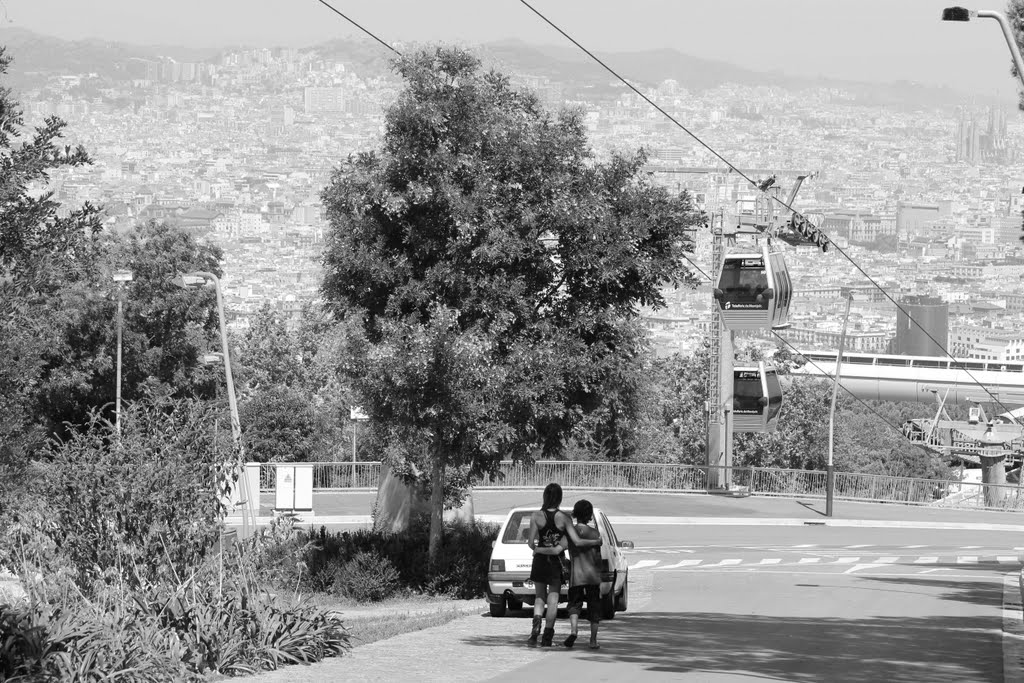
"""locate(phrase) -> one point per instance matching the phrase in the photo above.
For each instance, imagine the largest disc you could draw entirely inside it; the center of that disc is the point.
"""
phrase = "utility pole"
(119, 276)
(720, 380)
(830, 475)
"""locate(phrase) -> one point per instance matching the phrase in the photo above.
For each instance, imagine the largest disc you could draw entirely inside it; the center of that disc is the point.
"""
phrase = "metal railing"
(655, 477)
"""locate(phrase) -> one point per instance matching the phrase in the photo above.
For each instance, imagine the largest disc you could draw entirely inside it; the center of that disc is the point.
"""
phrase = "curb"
(314, 520)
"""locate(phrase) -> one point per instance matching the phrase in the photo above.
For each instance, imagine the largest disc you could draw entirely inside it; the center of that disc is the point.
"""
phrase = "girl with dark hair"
(548, 528)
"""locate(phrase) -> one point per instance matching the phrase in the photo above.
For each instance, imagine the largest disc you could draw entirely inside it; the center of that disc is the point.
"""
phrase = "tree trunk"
(436, 512)
(993, 472)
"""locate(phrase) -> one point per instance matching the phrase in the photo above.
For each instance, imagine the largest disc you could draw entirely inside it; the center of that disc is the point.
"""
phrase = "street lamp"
(199, 279)
(964, 14)
(830, 472)
(119, 276)
(192, 281)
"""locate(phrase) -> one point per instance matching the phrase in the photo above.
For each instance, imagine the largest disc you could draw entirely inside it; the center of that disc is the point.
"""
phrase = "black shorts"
(592, 594)
(547, 569)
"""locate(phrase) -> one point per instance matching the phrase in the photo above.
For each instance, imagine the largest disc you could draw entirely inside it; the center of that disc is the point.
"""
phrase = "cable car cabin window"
(742, 283)
(929, 364)
(1012, 367)
(747, 392)
(859, 360)
(968, 366)
(774, 395)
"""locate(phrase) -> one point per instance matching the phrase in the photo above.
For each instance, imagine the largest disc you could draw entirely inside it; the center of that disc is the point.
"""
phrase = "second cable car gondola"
(756, 399)
(754, 290)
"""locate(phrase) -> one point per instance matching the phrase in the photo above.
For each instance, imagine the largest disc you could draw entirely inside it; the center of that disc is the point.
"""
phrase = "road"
(802, 604)
(765, 589)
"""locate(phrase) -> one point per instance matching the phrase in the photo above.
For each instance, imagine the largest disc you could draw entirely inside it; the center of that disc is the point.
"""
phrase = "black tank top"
(549, 535)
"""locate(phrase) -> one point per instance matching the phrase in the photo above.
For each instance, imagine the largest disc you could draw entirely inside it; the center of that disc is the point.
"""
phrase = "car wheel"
(515, 605)
(498, 609)
(622, 601)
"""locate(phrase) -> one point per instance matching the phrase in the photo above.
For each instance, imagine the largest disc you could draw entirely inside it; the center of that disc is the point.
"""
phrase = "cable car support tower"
(752, 290)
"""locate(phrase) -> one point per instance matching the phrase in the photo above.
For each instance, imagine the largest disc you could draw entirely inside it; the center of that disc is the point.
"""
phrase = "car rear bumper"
(518, 587)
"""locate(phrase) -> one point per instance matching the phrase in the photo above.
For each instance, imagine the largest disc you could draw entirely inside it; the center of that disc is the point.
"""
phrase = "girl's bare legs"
(552, 607)
(540, 591)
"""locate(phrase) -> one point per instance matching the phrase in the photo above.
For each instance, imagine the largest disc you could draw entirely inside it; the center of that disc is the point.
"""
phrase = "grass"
(368, 623)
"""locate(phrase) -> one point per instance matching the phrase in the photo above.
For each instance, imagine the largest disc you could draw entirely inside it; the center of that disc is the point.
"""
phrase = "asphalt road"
(802, 604)
(755, 589)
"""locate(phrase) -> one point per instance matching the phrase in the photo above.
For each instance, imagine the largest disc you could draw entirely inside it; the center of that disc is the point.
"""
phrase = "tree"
(494, 266)
(46, 261)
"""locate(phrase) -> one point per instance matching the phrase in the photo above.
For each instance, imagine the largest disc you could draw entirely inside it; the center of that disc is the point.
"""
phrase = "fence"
(654, 477)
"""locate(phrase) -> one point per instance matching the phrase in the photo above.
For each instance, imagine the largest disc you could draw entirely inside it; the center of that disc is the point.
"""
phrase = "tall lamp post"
(119, 276)
(830, 474)
(199, 279)
(964, 14)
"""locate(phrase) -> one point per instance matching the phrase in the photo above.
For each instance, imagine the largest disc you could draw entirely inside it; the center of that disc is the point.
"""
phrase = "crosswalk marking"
(807, 545)
(684, 563)
(857, 563)
(644, 563)
(867, 545)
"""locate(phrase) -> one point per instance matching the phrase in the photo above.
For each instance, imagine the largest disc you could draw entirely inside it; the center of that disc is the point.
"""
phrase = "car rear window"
(518, 525)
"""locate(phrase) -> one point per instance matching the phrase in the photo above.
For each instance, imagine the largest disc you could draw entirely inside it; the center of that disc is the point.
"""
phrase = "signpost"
(357, 415)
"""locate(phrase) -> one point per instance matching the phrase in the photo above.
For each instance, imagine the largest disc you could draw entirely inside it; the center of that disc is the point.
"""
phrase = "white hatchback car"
(508, 574)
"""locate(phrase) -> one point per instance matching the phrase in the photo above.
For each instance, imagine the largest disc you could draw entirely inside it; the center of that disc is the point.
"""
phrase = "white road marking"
(935, 569)
(967, 559)
(809, 560)
(806, 545)
(725, 563)
(887, 560)
(847, 560)
(915, 546)
(858, 567)
(1006, 559)
(684, 563)
(867, 545)
(771, 560)
(645, 563)
(926, 560)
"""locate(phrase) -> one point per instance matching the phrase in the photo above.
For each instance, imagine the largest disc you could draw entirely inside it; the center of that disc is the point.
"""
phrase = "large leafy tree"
(495, 267)
(47, 262)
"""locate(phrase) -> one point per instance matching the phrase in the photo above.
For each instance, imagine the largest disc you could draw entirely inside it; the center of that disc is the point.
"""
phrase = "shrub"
(151, 499)
(366, 577)
(218, 621)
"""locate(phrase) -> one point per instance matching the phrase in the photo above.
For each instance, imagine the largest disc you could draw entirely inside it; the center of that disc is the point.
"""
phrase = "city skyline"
(879, 41)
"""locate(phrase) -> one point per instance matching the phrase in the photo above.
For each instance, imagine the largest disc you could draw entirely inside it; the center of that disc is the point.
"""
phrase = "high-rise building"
(922, 327)
(324, 99)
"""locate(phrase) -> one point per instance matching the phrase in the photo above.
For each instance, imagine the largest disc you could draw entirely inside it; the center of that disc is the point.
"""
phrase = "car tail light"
(497, 565)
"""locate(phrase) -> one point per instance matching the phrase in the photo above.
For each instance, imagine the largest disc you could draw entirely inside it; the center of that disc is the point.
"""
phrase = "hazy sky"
(857, 39)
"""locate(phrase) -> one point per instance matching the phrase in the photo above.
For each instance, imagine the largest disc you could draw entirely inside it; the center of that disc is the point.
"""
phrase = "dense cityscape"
(927, 201)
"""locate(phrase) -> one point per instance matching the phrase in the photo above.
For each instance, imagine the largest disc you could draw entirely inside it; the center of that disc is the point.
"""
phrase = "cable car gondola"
(754, 290)
(756, 399)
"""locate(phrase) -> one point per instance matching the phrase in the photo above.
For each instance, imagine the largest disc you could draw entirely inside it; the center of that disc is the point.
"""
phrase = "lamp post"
(964, 14)
(830, 475)
(119, 276)
(199, 279)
